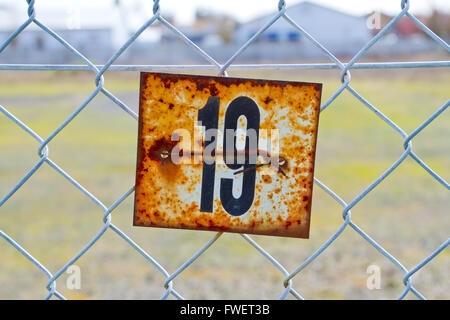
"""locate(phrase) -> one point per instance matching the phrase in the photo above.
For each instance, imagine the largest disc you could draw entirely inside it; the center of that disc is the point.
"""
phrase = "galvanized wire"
(345, 77)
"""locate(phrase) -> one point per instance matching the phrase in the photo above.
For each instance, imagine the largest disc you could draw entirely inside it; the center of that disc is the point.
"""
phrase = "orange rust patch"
(266, 178)
(168, 194)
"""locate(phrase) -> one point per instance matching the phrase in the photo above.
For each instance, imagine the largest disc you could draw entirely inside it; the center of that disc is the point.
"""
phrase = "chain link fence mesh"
(345, 78)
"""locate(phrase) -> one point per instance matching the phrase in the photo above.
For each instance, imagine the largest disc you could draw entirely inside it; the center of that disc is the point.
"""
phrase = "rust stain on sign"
(210, 192)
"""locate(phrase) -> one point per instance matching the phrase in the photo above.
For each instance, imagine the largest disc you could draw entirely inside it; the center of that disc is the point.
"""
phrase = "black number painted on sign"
(209, 114)
(242, 106)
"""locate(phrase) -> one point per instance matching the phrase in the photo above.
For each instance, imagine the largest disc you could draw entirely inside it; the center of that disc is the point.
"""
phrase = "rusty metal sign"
(226, 154)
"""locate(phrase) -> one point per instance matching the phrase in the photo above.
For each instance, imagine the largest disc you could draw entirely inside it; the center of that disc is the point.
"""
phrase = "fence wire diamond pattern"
(345, 78)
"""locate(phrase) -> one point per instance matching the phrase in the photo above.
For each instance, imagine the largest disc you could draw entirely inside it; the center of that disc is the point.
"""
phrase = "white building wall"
(340, 32)
(36, 46)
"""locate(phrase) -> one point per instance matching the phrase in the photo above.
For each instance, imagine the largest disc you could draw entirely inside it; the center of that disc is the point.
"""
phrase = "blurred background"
(99, 28)
(407, 213)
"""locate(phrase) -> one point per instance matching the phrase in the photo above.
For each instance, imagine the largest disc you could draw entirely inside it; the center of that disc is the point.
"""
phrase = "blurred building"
(91, 30)
(340, 32)
(208, 28)
(98, 28)
(406, 37)
(438, 22)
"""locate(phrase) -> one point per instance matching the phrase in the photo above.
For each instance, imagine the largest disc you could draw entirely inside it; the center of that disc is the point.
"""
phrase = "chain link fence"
(345, 78)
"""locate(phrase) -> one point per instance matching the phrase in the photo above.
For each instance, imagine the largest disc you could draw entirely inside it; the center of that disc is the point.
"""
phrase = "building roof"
(298, 6)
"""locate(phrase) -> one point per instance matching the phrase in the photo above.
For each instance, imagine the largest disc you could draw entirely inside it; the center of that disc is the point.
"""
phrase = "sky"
(243, 10)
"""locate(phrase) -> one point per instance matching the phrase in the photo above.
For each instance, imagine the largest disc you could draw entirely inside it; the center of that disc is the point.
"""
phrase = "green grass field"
(407, 213)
